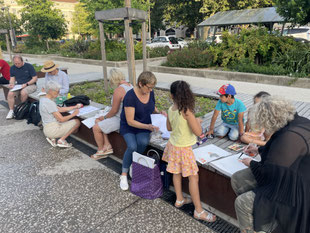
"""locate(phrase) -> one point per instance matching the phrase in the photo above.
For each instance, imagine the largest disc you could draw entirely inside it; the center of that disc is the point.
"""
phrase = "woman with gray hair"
(275, 192)
(55, 125)
(110, 122)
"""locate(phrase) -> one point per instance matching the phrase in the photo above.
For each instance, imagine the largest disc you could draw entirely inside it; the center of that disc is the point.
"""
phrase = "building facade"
(66, 7)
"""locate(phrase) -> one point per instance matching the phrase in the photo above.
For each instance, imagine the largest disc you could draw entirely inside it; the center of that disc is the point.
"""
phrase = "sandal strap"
(209, 216)
(199, 214)
(180, 202)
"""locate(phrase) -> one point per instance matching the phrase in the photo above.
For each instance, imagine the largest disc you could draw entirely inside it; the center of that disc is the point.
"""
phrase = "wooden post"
(144, 46)
(104, 59)
(130, 48)
(8, 46)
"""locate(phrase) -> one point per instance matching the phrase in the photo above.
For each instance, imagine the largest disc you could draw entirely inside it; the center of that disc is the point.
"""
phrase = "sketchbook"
(231, 164)
(85, 110)
(206, 154)
(90, 122)
(17, 87)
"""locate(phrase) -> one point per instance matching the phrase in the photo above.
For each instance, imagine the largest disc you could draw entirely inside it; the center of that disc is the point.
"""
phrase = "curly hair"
(183, 96)
(272, 114)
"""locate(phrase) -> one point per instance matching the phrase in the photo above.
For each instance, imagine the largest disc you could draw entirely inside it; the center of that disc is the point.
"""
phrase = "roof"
(121, 14)
(248, 16)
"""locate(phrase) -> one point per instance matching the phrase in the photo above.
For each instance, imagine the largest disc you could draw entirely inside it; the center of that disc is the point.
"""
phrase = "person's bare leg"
(76, 126)
(23, 96)
(107, 145)
(11, 100)
(99, 137)
(194, 191)
(177, 183)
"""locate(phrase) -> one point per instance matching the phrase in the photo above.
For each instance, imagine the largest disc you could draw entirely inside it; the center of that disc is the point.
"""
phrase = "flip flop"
(99, 155)
(185, 201)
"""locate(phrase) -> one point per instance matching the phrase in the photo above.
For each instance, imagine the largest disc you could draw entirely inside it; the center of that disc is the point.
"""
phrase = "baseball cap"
(227, 89)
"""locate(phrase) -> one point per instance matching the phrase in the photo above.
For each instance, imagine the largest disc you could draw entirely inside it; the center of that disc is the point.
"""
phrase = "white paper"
(143, 160)
(90, 122)
(85, 110)
(42, 93)
(160, 121)
(206, 154)
(17, 87)
(231, 164)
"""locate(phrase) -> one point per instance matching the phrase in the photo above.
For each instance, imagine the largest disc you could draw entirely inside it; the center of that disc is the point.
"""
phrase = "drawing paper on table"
(17, 87)
(230, 164)
(90, 122)
(206, 154)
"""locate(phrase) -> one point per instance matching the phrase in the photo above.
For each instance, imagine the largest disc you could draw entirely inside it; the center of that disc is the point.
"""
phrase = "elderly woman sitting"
(111, 121)
(276, 192)
(55, 125)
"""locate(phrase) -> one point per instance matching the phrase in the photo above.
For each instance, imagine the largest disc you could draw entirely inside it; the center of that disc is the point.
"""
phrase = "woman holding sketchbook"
(276, 192)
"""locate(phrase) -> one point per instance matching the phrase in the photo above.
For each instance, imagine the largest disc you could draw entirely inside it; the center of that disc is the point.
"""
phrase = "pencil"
(240, 155)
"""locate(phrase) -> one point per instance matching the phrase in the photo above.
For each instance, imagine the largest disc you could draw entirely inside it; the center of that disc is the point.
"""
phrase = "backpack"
(79, 99)
(21, 111)
(34, 116)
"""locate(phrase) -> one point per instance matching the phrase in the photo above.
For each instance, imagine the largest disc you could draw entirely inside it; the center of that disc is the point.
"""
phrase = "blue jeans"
(232, 130)
(135, 142)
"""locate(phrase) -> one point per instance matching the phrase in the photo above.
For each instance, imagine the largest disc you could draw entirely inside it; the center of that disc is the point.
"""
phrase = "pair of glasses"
(150, 88)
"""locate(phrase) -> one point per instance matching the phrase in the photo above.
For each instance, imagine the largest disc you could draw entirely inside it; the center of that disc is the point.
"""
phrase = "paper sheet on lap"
(85, 110)
(206, 154)
(16, 87)
(90, 122)
(231, 164)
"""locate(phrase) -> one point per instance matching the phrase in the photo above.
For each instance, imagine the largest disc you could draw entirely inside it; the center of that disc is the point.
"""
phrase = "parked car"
(182, 42)
(301, 32)
(214, 39)
(164, 41)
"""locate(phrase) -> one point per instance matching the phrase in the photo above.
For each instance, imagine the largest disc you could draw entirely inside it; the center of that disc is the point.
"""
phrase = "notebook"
(206, 154)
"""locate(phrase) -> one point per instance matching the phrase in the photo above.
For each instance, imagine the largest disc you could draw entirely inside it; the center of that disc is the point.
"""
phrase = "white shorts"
(110, 125)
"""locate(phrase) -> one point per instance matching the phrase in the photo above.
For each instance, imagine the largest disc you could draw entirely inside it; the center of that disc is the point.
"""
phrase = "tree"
(80, 24)
(294, 11)
(187, 13)
(41, 19)
(157, 17)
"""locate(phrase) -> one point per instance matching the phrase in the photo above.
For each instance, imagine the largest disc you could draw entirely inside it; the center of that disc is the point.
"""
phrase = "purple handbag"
(146, 182)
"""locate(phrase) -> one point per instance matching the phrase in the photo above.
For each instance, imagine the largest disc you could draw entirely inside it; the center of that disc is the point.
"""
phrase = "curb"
(86, 61)
(235, 76)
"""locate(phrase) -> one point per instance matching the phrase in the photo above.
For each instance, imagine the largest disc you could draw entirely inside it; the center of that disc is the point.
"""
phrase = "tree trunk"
(47, 45)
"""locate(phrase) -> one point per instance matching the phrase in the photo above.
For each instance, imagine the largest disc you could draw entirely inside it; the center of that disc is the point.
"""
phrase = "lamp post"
(12, 33)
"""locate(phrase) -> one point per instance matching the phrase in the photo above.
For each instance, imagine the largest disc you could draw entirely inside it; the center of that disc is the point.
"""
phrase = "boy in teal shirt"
(232, 111)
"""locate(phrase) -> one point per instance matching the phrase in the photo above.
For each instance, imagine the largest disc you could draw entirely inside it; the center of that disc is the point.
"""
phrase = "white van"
(300, 32)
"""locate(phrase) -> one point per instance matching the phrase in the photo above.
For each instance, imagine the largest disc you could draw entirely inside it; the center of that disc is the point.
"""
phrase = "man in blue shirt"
(232, 111)
(21, 74)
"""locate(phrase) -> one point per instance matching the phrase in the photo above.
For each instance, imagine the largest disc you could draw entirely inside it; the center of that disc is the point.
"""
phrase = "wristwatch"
(27, 84)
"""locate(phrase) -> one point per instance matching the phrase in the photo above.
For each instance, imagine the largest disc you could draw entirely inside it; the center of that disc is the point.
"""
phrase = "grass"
(95, 91)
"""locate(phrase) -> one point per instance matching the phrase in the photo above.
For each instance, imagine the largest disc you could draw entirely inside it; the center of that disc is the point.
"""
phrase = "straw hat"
(49, 66)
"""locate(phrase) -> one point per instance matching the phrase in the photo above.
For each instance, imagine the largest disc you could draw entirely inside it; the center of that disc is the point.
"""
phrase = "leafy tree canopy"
(40, 18)
(294, 11)
(80, 24)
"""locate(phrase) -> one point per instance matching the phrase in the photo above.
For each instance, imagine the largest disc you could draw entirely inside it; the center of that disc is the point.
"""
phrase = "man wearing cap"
(56, 75)
(22, 74)
(232, 111)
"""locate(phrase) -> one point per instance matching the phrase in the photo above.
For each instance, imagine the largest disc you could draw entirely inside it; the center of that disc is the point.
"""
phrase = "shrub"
(190, 58)
(19, 48)
(158, 52)
(198, 44)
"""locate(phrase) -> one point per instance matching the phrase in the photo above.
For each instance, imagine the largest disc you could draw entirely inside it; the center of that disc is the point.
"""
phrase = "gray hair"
(52, 86)
(272, 114)
(18, 57)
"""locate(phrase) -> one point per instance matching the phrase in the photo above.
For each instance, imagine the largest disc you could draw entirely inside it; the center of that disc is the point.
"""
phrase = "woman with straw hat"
(54, 74)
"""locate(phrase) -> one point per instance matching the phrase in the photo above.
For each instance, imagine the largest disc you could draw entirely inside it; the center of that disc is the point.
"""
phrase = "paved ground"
(46, 189)
(82, 71)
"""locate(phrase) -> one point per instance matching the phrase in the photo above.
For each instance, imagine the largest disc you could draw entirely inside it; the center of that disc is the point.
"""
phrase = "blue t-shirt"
(142, 112)
(229, 113)
(23, 74)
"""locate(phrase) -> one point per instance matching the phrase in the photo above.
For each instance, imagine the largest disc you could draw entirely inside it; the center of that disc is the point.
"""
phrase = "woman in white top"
(55, 125)
(111, 121)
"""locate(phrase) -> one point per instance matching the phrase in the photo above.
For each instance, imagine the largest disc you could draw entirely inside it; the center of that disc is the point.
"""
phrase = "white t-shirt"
(47, 107)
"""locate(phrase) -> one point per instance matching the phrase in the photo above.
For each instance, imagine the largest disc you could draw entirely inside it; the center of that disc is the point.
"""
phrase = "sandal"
(185, 201)
(52, 142)
(63, 143)
(100, 154)
(209, 218)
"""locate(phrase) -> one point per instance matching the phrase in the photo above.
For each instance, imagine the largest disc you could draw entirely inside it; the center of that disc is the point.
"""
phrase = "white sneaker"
(10, 115)
(124, 183)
